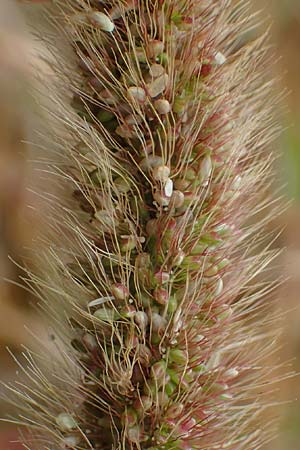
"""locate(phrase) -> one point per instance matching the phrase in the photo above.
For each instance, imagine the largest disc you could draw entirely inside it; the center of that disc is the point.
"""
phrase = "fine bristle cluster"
(151, 277)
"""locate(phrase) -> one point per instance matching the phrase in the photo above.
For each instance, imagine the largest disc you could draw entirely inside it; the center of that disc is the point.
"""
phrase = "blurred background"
(19, 223)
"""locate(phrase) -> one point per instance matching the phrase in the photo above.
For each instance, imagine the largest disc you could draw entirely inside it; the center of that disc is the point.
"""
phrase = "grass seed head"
(165, 153)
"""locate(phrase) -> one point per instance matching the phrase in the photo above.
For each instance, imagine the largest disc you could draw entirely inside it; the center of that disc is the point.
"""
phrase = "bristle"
(151, 278)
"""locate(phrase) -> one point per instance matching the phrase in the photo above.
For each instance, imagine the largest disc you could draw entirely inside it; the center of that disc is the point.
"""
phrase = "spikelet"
(161, 331)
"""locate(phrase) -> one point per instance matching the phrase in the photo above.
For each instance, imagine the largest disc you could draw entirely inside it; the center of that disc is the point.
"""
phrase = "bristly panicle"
(160, 321)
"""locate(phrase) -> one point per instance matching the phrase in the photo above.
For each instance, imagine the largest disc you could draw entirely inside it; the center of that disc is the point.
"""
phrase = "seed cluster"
(167, 166)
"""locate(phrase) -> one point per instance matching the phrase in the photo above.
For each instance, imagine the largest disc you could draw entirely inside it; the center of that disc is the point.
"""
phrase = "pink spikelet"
(157, 232)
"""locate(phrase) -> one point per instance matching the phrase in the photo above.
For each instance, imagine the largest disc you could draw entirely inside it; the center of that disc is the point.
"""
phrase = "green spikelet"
(161, 332)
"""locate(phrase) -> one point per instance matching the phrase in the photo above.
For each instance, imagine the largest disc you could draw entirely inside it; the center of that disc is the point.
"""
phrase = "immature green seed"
(180, 105)
(175, 378)
(122, 185)
(129, 417)
(170, 388)
(106, 314)
(105, 116)
(178, 356)
(172, 304)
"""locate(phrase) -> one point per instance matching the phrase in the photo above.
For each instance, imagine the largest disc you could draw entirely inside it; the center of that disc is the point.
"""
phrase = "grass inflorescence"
(151, 276)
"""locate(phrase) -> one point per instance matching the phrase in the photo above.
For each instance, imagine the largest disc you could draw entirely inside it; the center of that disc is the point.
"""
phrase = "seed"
(122, 185)
(134, 434)
(219, 286)
(178, 257)
(156, 70)
(177, 199)
(161, 199)
(205, 168)
(211, 271)
(180, 105)
(100, 20)
(231, 373)
(105, 116)
(119, 291)
(141, 319)
(155, 48)
(161, 173)
(133, 119)
(128, 243)
(178, 356)
(108, 96)
(220, 59)
(162, 277)
(106, 314)
(226, 312)
(90, 342)
(71, 441)
(175, 410)
(142, 404)
(143, 261)
(144, 354)
(172, 304)
(162, 106)
(137, 93)
(181, 184)
(66, 422)
(158, 322)
(168, 189)
(106, 219)
(161, 296)
(236, 183)
(151, 162)
(100, 301)
(158, 371)
(151, 227)
(158, 85)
